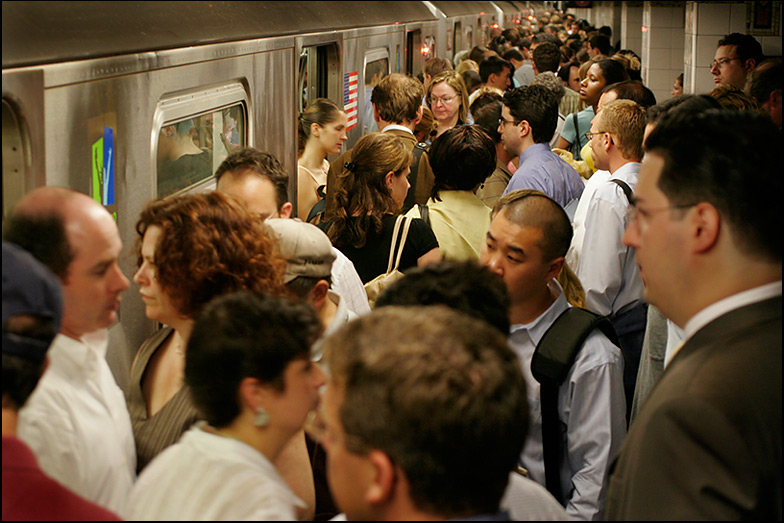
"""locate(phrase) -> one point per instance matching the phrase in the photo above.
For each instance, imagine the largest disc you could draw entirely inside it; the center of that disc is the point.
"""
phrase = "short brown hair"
(263, 164)
(626, 120)
(444, 398)
(397, 98)
(210, 245)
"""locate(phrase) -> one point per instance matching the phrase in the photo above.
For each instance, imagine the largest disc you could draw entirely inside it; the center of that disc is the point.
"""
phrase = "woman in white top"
(448, 99)
(322, 131)
(250, 374)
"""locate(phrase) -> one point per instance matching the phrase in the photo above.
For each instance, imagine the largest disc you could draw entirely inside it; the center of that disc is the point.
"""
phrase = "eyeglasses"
(503, 121)
(633, 212)
(721, 62)
(590, 135)
(444, 99)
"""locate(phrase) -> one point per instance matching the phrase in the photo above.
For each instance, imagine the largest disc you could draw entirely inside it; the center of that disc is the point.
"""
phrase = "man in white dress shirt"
(606, 266)
(76, 420)
(526, 245)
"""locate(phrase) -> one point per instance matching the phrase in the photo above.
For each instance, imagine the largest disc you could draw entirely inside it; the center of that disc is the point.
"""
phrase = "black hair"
(602, 43)
(461, 158)
(696, 103)
(464, 286)
(547, 57)
(261, 163)
(493, 65)
(613, 71)
(745, 45)
(486, 111)
(536, 105)
(240, 335)
(716, 176)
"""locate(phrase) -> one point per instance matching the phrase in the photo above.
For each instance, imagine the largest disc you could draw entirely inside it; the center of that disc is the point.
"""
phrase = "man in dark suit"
(706, 223)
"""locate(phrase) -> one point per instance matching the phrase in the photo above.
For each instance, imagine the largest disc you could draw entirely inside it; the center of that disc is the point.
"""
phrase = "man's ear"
(286, 209)
(382, 487)
(419, 114)
(555, 268)
(706, 226)
(318, 294)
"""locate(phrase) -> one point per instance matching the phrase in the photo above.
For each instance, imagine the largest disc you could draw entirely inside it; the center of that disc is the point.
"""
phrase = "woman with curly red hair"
(192, 248)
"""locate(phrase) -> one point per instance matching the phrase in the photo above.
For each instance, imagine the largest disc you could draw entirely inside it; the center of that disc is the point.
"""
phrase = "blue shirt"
(591, 407)
(543, 170)
(584, 118)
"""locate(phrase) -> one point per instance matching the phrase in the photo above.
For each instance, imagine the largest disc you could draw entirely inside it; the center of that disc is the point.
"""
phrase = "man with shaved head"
(76, 421)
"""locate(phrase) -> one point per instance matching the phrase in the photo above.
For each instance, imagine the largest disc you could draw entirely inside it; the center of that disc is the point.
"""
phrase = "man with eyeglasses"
(707, 442)
(606, 267)
(528, 120)
(736, 56)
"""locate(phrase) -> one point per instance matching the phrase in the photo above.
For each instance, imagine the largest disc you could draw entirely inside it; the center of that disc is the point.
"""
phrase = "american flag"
(351, 83)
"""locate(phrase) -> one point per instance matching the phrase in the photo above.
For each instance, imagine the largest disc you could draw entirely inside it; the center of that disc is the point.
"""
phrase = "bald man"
(76, 421)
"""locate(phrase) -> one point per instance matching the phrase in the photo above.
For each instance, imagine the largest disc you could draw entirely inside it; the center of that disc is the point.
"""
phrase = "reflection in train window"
(376, 68)
(189, 150)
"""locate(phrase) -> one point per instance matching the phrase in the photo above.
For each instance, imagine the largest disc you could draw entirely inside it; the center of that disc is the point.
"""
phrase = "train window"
(414, 62)
(458, 37)
(198, 131)
(15, 152)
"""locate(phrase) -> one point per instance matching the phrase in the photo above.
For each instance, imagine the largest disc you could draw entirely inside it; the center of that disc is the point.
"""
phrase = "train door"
(318, 74)
(376, 67)
(419, 49)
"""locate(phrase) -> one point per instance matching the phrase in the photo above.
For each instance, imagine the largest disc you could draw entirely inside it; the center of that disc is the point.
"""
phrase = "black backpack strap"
(419, 148)
(577, 147)
(424, 213)
(626, 190)
(317, 211)
(551, 362)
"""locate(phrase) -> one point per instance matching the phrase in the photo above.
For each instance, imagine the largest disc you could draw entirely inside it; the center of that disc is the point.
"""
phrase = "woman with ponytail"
(369, 194)
(322, 131)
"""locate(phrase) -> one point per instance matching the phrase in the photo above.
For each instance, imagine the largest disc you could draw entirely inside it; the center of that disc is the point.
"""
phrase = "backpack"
(551, 362)
(419, 148)
(316, 214)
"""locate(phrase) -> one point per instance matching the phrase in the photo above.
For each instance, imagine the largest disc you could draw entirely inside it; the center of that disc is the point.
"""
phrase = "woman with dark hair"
(601, 73)
(191, 248)
(251, 378)
(369, 193)
(321, 131)
(462, 159)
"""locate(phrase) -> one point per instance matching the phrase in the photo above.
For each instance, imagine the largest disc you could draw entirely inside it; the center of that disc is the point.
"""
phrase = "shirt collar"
(396, 127)
(537, 149)
(721, 307)
(539, 326)
(626, 171)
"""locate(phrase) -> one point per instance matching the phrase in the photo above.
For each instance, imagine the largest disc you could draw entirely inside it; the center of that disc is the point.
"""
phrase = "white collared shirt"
(591, 405)
(214, 478)
(722, 307)
(396, 127)
(606, 266)
(578, 222)
(348, 284)
(77, 423)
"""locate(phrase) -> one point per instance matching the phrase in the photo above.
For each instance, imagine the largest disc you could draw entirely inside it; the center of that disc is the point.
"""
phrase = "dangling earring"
(262, 418)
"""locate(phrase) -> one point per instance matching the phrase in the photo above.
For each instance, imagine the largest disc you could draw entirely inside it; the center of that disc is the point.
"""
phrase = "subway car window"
(14, 158)
(190, 149)
(376, 68)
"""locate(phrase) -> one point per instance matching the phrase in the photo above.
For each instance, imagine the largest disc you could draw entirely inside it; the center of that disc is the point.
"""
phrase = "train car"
(100, 96)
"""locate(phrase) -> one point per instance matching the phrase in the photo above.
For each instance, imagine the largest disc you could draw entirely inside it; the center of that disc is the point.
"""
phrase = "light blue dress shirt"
(543, 170)
(591, 405)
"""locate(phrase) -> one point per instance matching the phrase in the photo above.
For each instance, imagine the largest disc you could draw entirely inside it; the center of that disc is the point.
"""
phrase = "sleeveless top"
(164, 428)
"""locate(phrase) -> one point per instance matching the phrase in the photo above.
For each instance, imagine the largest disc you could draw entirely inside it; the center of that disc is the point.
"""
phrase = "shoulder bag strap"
(402, 242)
(577, 147)
(419, 148)
(626, 190)
(393, 245)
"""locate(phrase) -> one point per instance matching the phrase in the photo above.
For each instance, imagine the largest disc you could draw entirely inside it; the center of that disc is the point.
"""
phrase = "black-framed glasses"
(721, 62)
(503, 121)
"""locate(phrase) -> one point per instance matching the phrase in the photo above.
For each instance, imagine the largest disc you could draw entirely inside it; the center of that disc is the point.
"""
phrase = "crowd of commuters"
(645, 243)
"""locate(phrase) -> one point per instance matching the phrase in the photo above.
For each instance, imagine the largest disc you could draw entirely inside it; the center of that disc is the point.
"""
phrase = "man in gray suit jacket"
(706, 224)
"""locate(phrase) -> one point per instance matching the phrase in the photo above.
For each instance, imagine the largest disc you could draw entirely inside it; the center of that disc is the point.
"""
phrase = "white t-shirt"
(209, 477)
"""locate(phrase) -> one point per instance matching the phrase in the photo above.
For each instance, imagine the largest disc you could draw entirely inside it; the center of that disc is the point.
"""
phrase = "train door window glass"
(15, 152)
(428, 49)
(414, 62)
(376, 67)
(318, 74)
(458, 37)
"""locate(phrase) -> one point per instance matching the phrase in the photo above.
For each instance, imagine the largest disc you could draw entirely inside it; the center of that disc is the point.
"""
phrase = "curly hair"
(210, 245)
(361, 194)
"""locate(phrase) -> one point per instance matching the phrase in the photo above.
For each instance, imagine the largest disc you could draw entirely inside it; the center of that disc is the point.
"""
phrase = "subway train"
(96, 94)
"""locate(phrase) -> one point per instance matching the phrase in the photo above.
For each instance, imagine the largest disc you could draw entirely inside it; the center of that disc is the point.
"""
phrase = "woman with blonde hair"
(321, 131)
(447, 97)
(369, 194)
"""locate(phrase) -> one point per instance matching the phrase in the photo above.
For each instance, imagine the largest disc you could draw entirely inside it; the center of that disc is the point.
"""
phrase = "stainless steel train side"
(86, 111)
